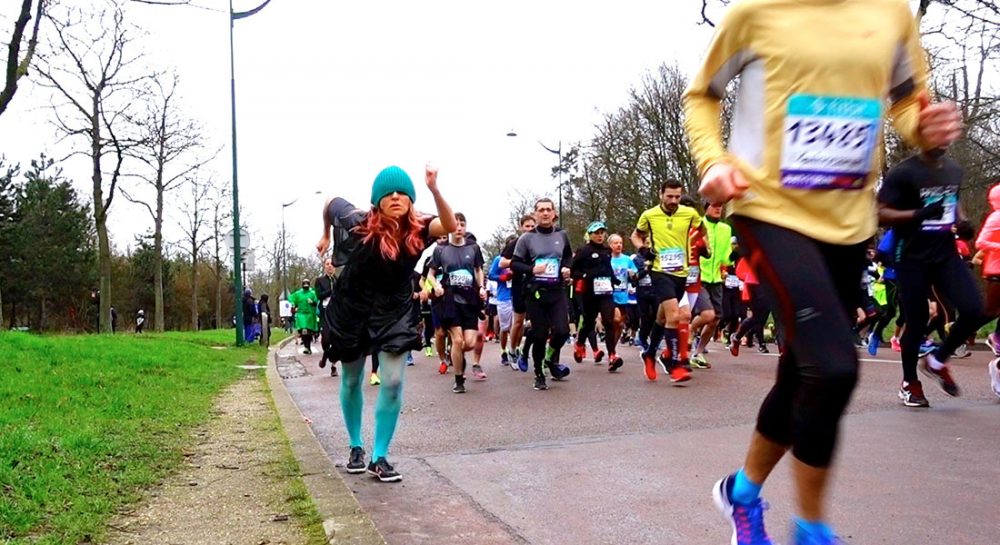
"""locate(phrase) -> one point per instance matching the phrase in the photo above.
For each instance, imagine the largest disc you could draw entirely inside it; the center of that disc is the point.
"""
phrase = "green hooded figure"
(304, 302)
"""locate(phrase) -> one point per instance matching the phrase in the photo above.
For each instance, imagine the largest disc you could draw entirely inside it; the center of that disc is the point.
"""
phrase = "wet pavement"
(606, 458)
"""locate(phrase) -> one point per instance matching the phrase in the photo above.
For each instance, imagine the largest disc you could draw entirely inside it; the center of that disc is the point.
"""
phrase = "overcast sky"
(329, 93)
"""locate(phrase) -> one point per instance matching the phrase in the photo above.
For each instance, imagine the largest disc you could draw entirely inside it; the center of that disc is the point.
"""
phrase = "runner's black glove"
(964, 230)
(930, 212)
(647, 254)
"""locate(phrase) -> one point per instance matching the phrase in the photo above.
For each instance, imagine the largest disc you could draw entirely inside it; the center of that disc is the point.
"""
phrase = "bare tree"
(197, 213)
(17, 66)
(167, 148)
(92, 72)
(220, 215)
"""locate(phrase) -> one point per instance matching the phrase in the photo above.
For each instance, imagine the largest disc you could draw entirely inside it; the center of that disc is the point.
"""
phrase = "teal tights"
(387, 406)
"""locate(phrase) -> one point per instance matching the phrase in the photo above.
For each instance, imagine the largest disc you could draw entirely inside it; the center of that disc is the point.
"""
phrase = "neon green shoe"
(698, 361)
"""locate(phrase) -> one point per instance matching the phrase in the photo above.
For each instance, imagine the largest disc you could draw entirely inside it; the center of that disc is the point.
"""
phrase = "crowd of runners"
(798, 239)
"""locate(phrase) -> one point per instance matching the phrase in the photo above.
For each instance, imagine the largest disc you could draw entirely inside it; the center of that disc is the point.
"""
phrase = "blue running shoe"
(872, 344)
(747, 520)
(522, 362)
(559, 371)
(926, 348)
(409, 359)
(803, 537)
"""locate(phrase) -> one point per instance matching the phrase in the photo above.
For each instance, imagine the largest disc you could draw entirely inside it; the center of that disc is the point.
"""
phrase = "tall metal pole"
(237, 264)
(284, 256)
(560, 184)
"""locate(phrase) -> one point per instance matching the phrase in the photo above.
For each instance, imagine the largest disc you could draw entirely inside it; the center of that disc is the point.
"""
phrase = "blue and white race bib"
(461, 278)
(829, 142)
(551, 274)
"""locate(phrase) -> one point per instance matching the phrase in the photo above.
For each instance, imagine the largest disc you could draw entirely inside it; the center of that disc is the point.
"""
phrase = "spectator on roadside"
(264, 311)
(140, 321)
(249, 315)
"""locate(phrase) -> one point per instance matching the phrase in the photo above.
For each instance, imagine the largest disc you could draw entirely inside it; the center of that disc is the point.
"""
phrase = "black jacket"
(372, 301)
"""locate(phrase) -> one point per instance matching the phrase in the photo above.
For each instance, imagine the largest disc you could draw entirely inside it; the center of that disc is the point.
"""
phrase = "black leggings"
(592, 305)
(955, 282)
(733, 311)
(813, 290)
(888, 311)
(428, 330)
(647, 316)
(754, 326)
(548, 310)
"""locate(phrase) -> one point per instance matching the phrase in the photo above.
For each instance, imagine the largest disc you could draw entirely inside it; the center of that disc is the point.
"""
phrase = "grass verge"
(87, 422)
(297, 496)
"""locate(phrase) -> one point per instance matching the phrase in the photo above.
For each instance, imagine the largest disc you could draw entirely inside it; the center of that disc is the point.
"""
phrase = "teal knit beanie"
(391, 180)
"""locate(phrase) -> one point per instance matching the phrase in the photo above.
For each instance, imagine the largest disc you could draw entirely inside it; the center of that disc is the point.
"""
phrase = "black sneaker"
(333, 369)
(383, 471)
(763, 349)
(614, 363)
(356, 463)
(540, 383)
(459, 387)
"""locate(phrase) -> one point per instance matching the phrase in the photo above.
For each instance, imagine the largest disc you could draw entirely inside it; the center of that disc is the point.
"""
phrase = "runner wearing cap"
(595, 282)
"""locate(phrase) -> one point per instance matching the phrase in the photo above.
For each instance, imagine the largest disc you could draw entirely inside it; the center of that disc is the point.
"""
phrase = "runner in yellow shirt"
(800, 167)
(661, 237)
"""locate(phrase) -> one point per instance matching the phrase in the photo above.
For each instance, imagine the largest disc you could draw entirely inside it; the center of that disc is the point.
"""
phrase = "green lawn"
(87, 421)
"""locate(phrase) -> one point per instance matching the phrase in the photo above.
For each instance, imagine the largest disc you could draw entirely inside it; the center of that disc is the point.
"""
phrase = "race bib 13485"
(829, 142)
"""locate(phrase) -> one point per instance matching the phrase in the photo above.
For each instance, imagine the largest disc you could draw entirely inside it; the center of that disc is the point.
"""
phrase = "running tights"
(548, 311)
(954, 281)
(754, 325)
(592, 305)
(813, 289)
(387, 406)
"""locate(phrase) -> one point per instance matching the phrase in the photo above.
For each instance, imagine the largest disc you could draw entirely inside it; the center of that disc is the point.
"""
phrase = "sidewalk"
(344, 521)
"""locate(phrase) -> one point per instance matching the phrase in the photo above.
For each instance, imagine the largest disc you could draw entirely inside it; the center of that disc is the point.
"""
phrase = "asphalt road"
(606, 458)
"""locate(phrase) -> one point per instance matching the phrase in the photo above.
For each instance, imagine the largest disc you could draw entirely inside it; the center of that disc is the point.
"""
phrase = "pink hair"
(390, 234)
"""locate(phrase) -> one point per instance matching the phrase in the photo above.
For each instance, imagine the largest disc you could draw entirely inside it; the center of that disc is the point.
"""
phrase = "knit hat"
(391, 180)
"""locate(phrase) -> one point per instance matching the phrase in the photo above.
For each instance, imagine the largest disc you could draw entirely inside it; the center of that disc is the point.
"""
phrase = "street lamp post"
(237, 269)
(557, 151)
(284, 250)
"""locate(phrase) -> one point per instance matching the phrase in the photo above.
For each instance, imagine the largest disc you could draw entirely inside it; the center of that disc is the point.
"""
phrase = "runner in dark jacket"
(375, 254)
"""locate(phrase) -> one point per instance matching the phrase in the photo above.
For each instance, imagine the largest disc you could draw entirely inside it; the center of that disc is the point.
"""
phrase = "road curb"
(343, 519)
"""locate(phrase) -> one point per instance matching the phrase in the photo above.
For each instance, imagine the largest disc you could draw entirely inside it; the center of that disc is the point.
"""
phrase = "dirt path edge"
(344, 522)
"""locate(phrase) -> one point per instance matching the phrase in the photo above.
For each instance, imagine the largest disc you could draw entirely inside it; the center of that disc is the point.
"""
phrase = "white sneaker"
(961, 352)
(994, 370)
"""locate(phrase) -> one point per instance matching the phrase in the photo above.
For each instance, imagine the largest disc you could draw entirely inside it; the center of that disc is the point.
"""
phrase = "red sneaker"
(579, 352)
(734, 345)
(679, 374)
(443, 368)
(942, 376)
(649, 365)
(598, 356)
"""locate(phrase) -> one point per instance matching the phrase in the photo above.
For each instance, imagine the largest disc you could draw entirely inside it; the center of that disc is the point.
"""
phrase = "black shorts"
(517, 297)
(460, 315)
(667, 286)
(491, 310)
